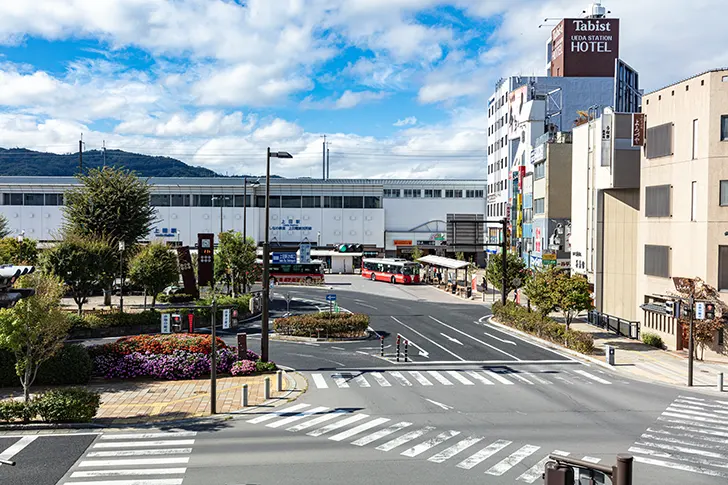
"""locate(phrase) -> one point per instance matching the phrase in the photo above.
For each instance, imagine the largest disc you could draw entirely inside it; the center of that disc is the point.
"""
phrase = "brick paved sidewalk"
(147, 401)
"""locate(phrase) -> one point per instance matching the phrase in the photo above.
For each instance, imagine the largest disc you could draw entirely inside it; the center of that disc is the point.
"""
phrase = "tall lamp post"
(266, 257)
(255, 185)
(222, 199)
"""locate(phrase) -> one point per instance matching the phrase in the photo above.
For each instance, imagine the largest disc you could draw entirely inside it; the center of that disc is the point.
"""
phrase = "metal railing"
(620, 326)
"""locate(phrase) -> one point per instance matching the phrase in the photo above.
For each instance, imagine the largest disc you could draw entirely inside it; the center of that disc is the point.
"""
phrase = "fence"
(620, 326)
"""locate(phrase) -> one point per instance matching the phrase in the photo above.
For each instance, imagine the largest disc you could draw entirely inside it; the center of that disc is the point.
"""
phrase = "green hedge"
(113, 318)
(336, 325)
(520, 318)
(653, 339)
(71, 405)
(71, 365)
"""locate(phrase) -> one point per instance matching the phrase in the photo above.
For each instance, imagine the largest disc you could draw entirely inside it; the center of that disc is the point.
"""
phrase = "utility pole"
(104, 151)
(323, 176)
(266, 268)
(504, 255)
(80, 154)
(328, 161)
(691, 340)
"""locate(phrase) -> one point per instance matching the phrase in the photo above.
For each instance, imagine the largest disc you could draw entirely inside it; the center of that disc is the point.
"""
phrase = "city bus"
(295, 273)
(392, 270)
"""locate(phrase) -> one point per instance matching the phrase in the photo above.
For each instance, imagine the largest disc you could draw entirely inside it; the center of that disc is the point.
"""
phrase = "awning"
(444, 262)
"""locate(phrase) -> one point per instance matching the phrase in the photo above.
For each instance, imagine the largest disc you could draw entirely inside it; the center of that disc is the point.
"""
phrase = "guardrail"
(620, 326)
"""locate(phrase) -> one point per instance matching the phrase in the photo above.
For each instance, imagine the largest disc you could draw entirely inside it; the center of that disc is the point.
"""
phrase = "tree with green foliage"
(83, 264)
(20, 251)
(35, 328)
(416, 253)
(571, 295)
(515, 272)
(4, 226)
(235, 261)
(540, 290)
(154, 268)
(460, 256)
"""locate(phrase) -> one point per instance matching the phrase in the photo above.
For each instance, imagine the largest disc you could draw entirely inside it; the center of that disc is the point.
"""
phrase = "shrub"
(241, 303)
(114, 318)
(12, 410)
(331, 325)
(178, 365)
(261, 366)
(71, 365)
(8, 376)
(653, 339)
(72, 405)
(244, 368)
(160, 344)
(176, 298)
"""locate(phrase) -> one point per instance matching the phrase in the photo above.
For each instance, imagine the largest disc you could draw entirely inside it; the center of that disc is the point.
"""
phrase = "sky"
(399, 87)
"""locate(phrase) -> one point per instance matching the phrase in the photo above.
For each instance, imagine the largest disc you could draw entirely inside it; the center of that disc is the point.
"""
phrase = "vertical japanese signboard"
(166, 323)
(205, 258)
(638, 129)
(187, 271)
(226, 319)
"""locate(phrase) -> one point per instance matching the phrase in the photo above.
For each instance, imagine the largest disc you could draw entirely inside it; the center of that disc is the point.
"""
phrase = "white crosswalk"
(488, 377)
(691, 436)
(135, 459)
(496, 457)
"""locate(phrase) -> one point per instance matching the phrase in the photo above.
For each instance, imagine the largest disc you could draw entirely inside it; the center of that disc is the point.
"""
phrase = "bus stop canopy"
(448, 263)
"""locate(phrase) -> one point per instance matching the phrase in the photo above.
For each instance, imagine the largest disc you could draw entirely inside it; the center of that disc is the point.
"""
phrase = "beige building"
(683, 215)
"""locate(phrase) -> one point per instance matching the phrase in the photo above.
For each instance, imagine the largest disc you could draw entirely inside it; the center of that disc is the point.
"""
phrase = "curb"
(292, 338)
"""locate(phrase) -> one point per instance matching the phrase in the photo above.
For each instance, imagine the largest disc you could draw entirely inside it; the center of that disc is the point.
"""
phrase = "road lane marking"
(390, 445)
(136, 444)
(459, 377)
(451, 339)
(17, 447)
(694, 425)
(498, 377)
(400, 378)
(431, 443)
(276, 414)
(688, 432)
(360, 380)
(534, 473)
(439, 377)
(339, 424)
(680, 466)
(318, 420)
(514, 459)
(454, 450)
(297, 417)
(381, 380)
(429, 340)
(365, 440)
(680, 441)
(475, 339)
(698, 416)
(439, 404)
(592, 377)
(689, 459)
(478, 376)
(510, 342)
(537, 378)
(698, 408)
(154, 481)
(121, 473)
(319, 380)
(684, 449)
(514, 374)
(483, 454)
(359, 429)
(134, 461)
(163, 451)
(420, 378)
(340, 380)
(701, 404)
(337, 348)
(138, 436)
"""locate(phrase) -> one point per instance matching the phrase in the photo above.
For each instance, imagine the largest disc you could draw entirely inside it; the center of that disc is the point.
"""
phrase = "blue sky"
(399, 86)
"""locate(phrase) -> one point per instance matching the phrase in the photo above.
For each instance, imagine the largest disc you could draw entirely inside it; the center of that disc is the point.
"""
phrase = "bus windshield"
(409, 269)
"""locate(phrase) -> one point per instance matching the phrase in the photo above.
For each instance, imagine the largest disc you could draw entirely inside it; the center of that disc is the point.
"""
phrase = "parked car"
(173, 290)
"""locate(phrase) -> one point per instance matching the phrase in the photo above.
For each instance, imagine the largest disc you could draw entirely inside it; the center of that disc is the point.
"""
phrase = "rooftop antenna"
(595, 11)
(103, 144)
(549, 19)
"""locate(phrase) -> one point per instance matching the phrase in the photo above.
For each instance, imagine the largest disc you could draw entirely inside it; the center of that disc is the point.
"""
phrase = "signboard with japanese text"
(291, 224)
(186, 270)
(226, 319)
(304, 253)
(284, 258)
(638, 129)
(166, 323)
(205, 258)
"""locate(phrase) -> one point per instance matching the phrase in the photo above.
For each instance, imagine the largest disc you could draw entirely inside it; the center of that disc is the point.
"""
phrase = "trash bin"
(609, 354)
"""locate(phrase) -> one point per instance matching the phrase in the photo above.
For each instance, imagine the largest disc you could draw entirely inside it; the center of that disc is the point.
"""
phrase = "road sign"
(284, 258)
(166, 323)
(700, 310)
(226, 319)
(304, 252)
(331, 297)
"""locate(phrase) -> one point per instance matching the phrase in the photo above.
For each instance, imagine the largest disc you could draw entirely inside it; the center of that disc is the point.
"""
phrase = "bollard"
(398, 340)
(406, 345)
(244, 397)
(267, 387)
(720, 382)
(279, 378)
(381, 349)
(623, 470)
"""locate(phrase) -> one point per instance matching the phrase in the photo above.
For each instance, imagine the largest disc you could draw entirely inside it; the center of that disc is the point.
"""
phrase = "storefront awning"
(444, 262)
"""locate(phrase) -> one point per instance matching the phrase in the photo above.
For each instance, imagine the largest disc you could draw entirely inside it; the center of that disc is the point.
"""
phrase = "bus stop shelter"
(451, 267)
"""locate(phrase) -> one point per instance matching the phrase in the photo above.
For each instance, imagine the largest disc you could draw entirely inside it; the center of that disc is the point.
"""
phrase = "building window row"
(474, 194)
(32, 199)
(539, 206)
(426, 193)
(539, 170)
(496, 210)
(657, 201)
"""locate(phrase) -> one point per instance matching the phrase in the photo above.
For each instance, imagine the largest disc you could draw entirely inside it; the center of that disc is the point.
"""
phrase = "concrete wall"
(579, 197)
(558, 180)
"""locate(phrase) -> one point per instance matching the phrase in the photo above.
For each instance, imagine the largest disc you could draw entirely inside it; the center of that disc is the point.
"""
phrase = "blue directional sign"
(284, 258)
(331, 297)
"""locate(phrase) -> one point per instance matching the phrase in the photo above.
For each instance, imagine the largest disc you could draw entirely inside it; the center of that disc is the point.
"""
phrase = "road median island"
(518, 317)
(323, 326)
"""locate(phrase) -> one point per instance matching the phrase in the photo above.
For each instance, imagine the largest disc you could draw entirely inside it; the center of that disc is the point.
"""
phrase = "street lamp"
(255, 185)
(222, 199)
(266, 256)
(122, 247)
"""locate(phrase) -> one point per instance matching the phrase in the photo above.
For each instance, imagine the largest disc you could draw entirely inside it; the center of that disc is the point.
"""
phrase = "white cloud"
(351, 99)
(205, 123)
(410, 120)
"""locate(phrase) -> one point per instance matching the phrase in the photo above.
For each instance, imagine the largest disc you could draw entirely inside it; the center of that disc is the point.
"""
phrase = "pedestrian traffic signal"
(709, 311)
(9, 274)
(670, 308)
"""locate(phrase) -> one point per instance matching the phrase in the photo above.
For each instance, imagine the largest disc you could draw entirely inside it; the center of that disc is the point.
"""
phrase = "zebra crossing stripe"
(680, 466)
(439, 377)
(319, 380)
(339, 380)
(688, 432)
(509, 462)
(365, 440)
(122, 473)
(390, 445)
(139, 444)
(693, 424)
(164, 451)
(319, 420)
(276, 414)
(516, 375)
(703, 405)
(479, 377)
(483, 454)
(138, 436)
(460, 378)
(699, 416)
(380, 379)
(159, 481)
(134, 461)
(669, 456)
(339, 424)
(359, 429)
(677, 441)
(534, 473)
(431, 443)
(537, 378)
(297, 417)
(684, 449)
(454, 450)
(421, 379)
(591, 376)
(400, 378)
(696, 407)
(498, 377)
(361, 381)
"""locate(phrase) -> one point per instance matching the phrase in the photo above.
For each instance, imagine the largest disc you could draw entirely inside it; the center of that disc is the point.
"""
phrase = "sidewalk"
(146, 401)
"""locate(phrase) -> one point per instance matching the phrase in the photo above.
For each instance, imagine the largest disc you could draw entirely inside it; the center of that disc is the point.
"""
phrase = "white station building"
(387, 217)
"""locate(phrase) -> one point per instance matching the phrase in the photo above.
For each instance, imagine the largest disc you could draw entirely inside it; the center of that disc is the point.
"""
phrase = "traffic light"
(670, 308)
(350, 248)
(709, 311)
(686, 310)
(9, 274)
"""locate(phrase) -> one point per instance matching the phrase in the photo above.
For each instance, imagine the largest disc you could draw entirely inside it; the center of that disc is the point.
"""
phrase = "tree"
(416, 253)
(515, 272)
(154, 268)
(16, 251)
(83, 264)
(704, 331)
(4, 227)
(35, 328)
(540, 290)
(571, 295)
(460, 256)
(235, 261)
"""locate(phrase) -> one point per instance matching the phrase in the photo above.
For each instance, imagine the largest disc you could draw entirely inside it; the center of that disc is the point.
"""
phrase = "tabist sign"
(585, 47)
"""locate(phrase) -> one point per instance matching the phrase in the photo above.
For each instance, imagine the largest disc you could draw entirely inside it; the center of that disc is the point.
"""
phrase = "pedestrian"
(485, 284)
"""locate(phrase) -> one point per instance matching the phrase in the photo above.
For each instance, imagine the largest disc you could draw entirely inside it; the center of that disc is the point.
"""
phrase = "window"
(371, 202)
(724, 128)
(722, 268)
(539, 170)
(159, 200)
(224, 200)
(33, 199)
(453, 194)
(657, 261)
(54, 199)
(353, 202)
(204, 200)
(180, 200)
(695, 139)
(391, 193)
(538, 206)
(724, 193)
(310, 201)
(291, 201)
(240, 202)
(12, 199)
(657, 201)
(260, 201)
(659, 141)
(694, 201)
(333, 202)
(527, 216)
(474, 194)
(411, 193)
(275, 201)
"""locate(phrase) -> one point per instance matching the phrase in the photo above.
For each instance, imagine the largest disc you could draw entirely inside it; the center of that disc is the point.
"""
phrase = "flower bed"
(160, 344)
(325, 324)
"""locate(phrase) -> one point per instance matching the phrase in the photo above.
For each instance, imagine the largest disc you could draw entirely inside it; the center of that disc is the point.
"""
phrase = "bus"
(392, 270)
(295, 273)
